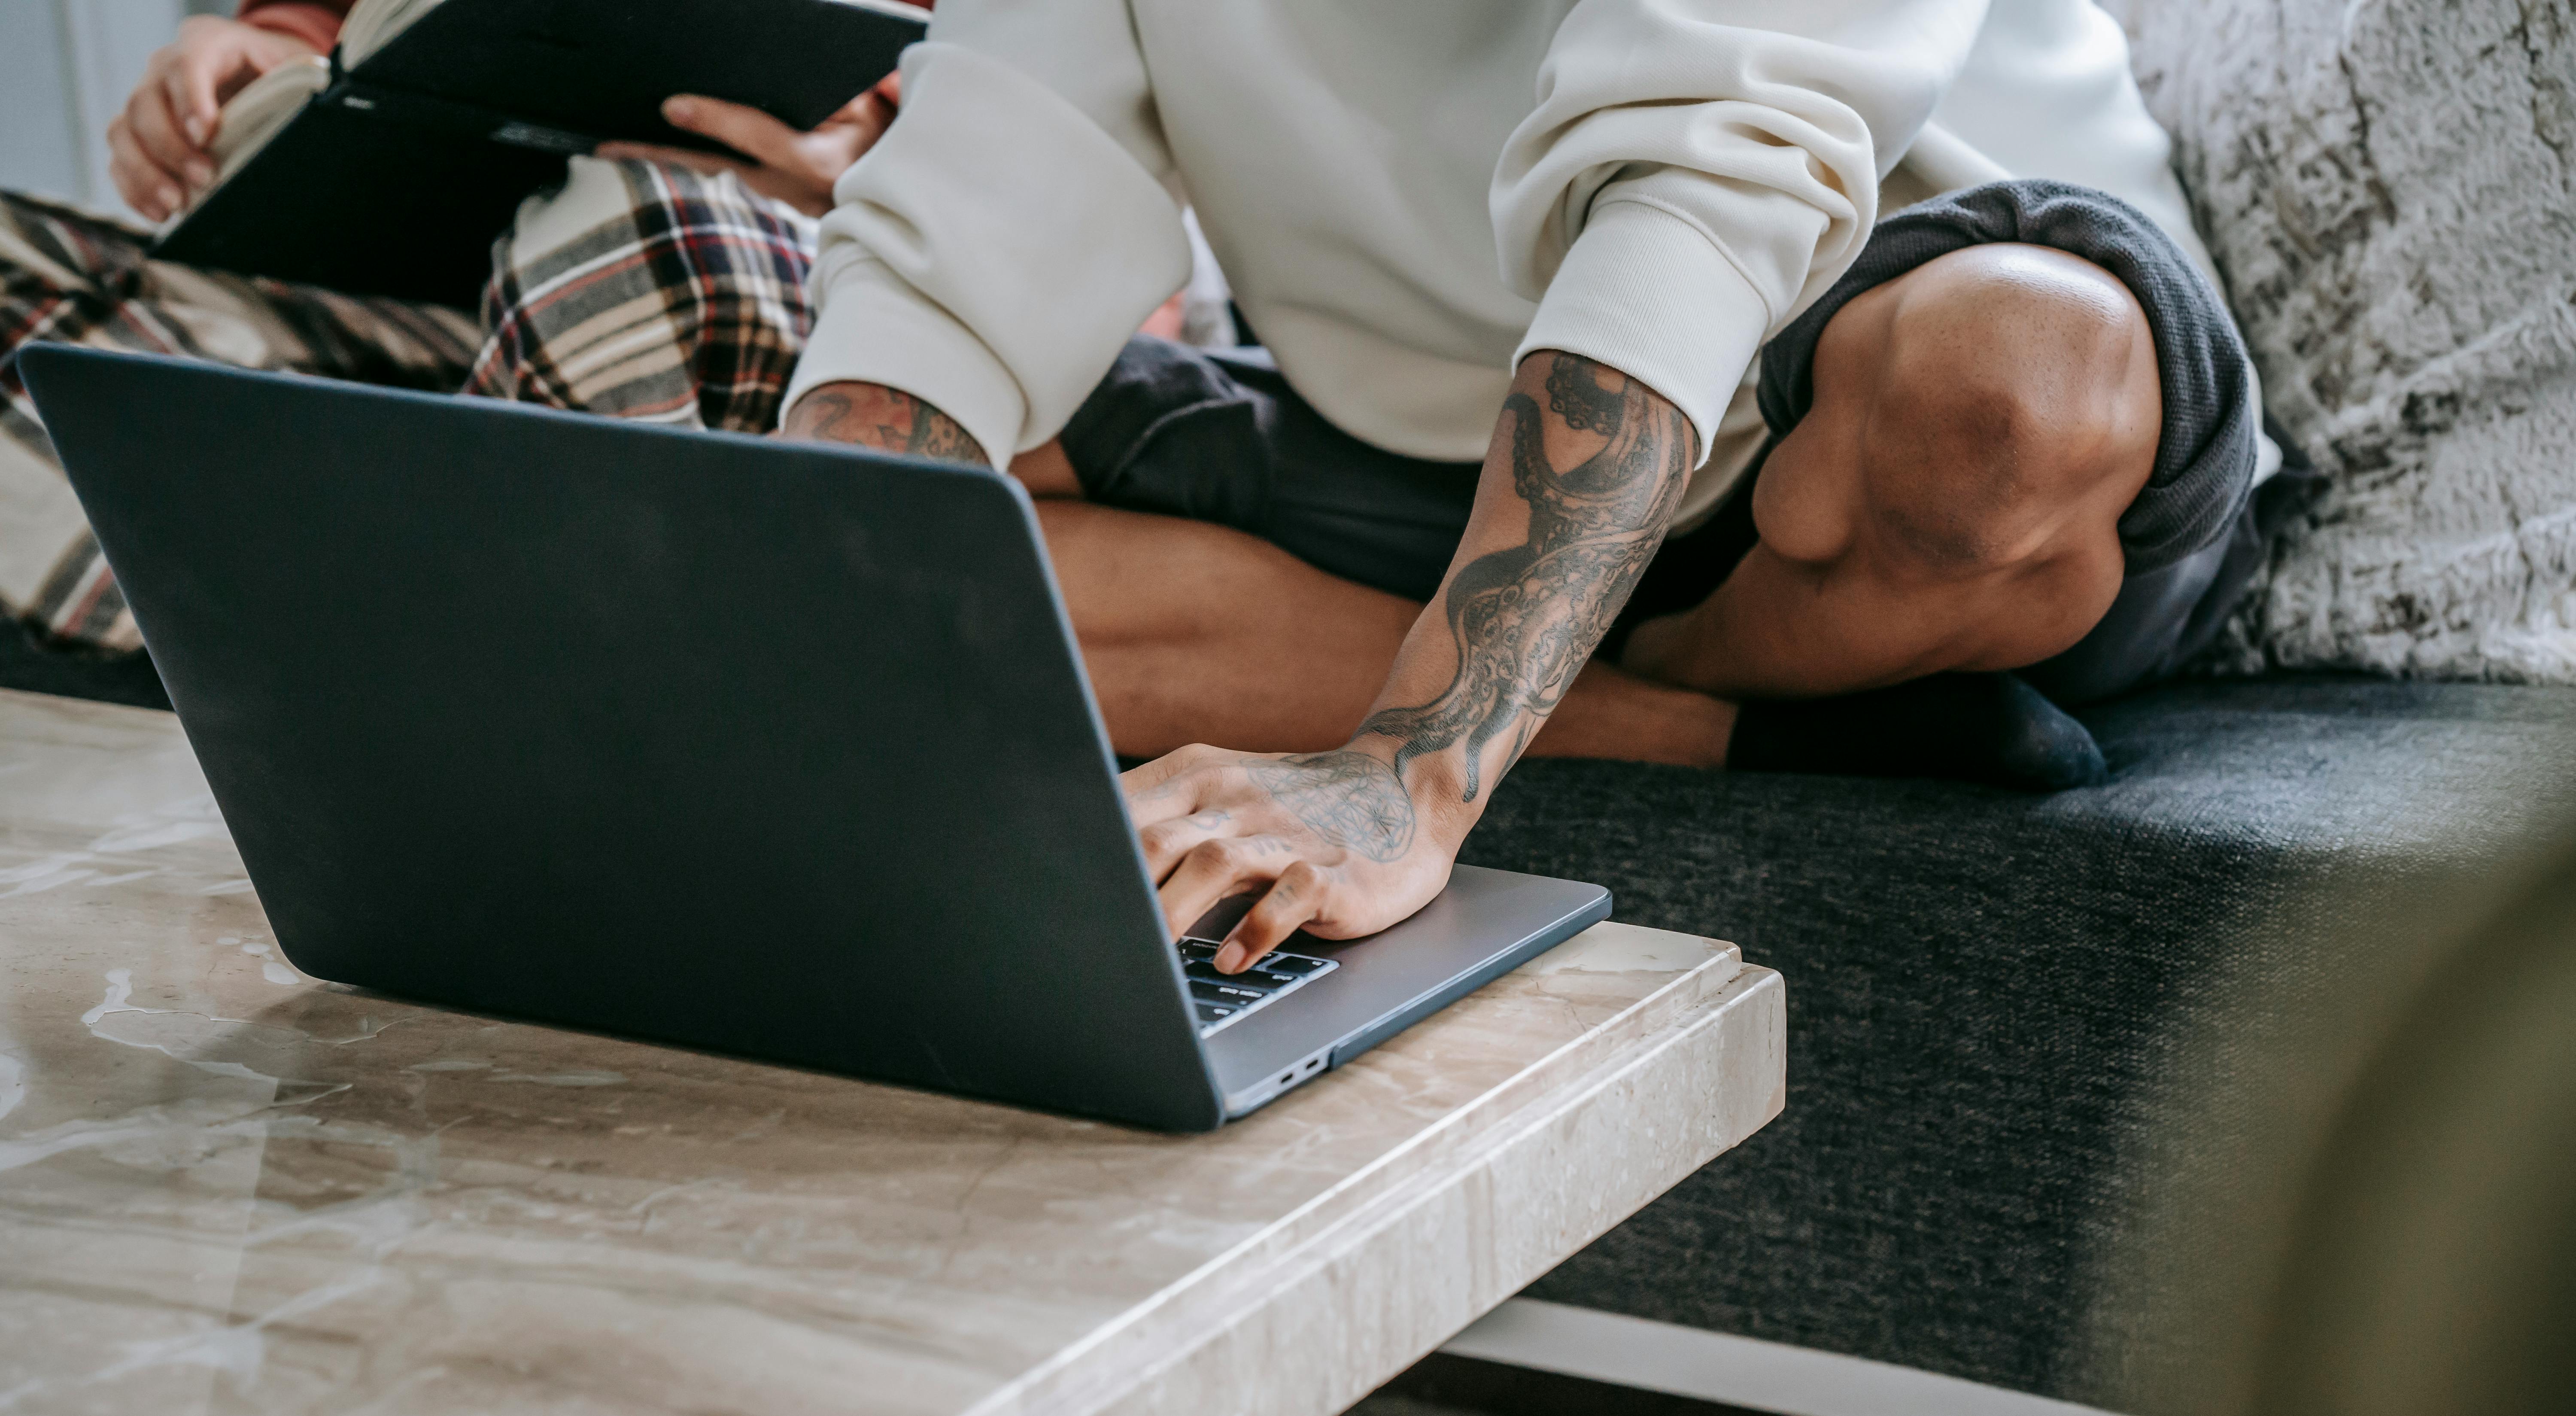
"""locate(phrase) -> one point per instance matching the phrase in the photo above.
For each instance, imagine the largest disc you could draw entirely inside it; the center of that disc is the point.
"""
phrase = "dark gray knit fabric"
(1984, 987)
(2205, 458)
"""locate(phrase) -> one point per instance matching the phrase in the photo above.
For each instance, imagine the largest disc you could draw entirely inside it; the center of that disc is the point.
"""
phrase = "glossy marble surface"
(227, 1188)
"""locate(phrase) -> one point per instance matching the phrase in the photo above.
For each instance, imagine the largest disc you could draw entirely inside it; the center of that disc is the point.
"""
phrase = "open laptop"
(780, 749)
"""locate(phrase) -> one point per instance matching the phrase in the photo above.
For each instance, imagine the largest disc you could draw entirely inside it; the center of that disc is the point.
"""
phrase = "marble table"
(227, 1188)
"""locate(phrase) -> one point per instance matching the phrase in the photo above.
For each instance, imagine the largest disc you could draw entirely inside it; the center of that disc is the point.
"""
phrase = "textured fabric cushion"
(2390, 192)
(1983, 987)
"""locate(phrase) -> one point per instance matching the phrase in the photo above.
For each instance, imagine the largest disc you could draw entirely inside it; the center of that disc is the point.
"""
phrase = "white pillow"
(2390, 191)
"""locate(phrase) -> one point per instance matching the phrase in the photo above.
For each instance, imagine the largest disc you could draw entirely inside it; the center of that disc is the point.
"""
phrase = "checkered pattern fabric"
(74, 277)
(635, 291)
(652, 292)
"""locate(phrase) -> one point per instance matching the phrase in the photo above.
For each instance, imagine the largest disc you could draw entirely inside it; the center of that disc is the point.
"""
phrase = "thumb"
(198, 82)
(746, 130)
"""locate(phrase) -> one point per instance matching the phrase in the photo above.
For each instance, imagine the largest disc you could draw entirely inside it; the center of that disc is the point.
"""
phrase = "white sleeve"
(997, 247)
(1697, 170)
(2047, 93)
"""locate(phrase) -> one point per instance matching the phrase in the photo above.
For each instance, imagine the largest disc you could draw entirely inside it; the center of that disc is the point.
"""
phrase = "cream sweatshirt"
(1408, 195)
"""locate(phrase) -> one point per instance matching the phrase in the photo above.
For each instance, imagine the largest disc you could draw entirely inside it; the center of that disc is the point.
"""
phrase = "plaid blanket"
(644, 291)
(74, 277)
(635, 290)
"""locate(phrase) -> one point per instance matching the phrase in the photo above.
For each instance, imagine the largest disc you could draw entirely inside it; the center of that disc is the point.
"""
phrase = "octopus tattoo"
(1523, 620)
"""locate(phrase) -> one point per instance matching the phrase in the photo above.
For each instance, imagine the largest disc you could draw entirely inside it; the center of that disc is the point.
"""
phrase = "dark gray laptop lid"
(605, 724)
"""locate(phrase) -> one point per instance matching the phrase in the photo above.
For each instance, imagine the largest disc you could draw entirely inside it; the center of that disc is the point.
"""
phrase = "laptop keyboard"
(1222, 1000)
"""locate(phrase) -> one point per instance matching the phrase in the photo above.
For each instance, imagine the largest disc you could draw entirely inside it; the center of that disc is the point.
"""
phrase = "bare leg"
(1950, 502)
(1952, 499)
(1194, 632)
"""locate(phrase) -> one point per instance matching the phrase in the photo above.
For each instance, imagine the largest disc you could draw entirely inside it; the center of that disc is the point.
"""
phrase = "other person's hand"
(157, 147)
(1331, 842)
(777, 160)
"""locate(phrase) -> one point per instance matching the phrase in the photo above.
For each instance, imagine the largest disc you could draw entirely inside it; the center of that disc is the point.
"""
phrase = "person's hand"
(1331, 842)
(778, 161)
(157, 147)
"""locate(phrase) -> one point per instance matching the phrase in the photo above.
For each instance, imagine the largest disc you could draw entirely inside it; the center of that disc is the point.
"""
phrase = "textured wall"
(2389, 187)
(37, 151)
(66, 67)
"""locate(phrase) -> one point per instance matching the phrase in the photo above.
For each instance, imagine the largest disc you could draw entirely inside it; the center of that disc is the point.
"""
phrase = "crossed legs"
(1194, 632)
(1951, 501)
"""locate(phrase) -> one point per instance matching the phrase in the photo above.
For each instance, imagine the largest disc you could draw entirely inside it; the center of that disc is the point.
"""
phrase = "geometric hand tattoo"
(1523, 620)
(1348, 798)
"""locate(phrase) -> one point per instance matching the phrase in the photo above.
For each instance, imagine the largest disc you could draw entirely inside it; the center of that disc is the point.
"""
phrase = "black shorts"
(1220, 436)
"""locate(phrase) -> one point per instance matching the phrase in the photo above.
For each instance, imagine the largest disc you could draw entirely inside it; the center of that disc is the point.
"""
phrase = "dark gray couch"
(1984, 988)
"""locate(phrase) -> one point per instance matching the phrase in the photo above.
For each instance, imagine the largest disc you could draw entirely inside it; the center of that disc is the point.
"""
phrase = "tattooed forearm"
(1348, 798)
(884, 418)
(1523, 620)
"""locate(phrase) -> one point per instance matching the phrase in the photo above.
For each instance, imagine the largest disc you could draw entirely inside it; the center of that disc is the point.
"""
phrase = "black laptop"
(781, 749)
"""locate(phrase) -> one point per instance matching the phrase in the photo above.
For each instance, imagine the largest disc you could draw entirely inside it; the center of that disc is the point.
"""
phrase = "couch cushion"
(1984, 987)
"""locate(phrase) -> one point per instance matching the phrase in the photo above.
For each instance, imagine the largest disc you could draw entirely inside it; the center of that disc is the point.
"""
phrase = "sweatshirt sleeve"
(1696, 171)
(994, 251)
(316, 22)
(2047, 92)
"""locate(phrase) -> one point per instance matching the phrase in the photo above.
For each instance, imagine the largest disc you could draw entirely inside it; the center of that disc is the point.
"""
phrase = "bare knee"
(1131, 579)
(2005, 407)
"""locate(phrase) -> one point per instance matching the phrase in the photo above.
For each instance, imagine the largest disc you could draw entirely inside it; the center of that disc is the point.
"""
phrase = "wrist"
(315, 27)
(1436, 786)
(887, 419)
